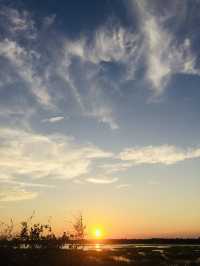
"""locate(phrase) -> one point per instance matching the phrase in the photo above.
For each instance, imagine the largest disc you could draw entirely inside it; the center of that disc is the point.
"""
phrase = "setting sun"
(98, 233)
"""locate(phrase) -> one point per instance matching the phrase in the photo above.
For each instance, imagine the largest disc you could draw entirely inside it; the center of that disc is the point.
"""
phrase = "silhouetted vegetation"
(36, 244)
(36, 235)
(135, 255)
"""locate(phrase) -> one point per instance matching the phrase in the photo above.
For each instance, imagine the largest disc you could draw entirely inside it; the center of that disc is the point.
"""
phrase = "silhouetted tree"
(78, 236)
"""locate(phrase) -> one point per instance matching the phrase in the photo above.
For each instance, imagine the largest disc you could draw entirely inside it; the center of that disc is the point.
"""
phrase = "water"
(143, 254)
(112, 247)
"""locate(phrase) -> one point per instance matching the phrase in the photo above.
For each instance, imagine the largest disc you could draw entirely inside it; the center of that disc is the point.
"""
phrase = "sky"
(100, 114)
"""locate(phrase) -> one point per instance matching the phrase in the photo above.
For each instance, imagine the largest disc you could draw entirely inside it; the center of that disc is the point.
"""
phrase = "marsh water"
(105, 255)
(113, 247)
(146, 254)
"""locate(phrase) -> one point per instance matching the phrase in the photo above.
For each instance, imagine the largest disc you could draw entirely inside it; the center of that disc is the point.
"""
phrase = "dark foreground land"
(146, 255)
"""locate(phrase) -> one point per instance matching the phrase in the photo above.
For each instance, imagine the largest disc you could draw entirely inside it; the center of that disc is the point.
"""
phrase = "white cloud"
(93, 88)
(102, 181)
(165, 55)
(34, 155)
(16, 194)
(54, 119)
(111, 44)
(22, 62)
(115, 167)
(36, 71)
(163, 154)
(12, 189)
(21, 184)
(104, 115)
(158, 67)
(17, 22)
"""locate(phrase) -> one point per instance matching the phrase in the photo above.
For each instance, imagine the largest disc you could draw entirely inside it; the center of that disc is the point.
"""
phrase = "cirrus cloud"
(164, 154)
(16, 194)
(25, 153)
(102, 180)
(164, 54)
(53, 119)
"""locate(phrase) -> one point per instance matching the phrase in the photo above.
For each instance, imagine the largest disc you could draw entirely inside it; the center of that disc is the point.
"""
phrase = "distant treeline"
(149, 241)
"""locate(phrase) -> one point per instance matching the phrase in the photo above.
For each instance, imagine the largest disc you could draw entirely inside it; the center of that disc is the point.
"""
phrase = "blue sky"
(99, 112)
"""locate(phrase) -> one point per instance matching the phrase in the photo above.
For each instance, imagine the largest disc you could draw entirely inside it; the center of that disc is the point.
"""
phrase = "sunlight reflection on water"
(121, 259)
(113, 247)
(101, 246)
(98, 247)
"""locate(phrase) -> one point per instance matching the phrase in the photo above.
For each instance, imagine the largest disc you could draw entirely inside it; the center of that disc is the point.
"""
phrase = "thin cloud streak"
(164, 154)
(102, 181)
(25, 184)
(16, 194)
(54, 119)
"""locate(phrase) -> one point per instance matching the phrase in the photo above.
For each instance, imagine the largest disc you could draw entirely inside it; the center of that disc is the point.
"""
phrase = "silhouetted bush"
(37, 235)
(78, 236)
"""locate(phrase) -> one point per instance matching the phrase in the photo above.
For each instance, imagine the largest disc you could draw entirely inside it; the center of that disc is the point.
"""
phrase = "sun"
(98, 233)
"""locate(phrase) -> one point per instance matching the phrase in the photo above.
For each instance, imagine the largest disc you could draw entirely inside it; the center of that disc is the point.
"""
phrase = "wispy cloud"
(34, 155)
(54, 119)
(21, 61)
(102, 180)
(12, 189)
(164, 154)
(104, 115)
(51, 80)
(165, 54)
(24, 184)
(31, 66)
(115, 167)
(16, 194)
(110, 44)
(16, 22)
